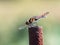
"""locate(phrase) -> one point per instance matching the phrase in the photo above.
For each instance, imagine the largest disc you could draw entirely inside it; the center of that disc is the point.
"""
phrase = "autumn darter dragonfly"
(33, 21)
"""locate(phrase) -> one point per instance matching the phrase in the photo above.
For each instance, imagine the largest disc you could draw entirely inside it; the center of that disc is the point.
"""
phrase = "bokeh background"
(14, 13)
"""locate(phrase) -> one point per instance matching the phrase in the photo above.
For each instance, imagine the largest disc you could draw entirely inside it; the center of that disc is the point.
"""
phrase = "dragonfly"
(33, 20)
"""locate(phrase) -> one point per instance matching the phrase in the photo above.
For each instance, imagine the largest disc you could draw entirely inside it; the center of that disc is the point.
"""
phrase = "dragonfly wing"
(22, 27)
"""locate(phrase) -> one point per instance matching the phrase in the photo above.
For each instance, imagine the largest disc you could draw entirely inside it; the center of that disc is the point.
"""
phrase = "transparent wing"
(22, 27)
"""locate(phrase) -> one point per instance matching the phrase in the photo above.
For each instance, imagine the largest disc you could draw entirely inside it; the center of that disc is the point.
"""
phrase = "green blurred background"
(14, 13)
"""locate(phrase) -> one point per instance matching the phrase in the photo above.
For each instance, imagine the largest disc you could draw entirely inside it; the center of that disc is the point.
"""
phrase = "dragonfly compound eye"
(31, 20)
(27, 23)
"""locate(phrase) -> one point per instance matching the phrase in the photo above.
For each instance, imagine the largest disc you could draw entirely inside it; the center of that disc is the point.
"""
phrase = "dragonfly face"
(31, 20)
